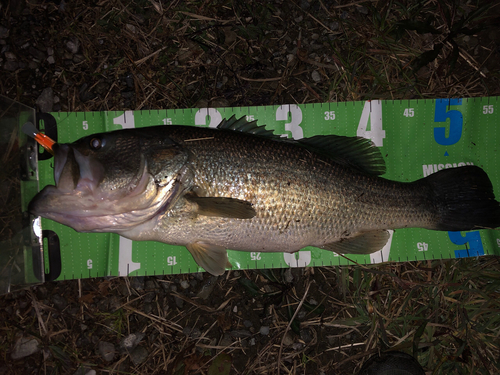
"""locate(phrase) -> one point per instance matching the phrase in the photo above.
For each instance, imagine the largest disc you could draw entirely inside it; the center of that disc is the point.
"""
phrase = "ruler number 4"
(371, 117)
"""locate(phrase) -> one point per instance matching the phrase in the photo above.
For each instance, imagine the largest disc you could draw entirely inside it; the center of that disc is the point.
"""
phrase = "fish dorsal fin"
(356, 152)
(243, 126)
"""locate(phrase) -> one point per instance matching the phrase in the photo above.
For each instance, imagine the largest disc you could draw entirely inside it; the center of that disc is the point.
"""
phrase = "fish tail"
(464, 199)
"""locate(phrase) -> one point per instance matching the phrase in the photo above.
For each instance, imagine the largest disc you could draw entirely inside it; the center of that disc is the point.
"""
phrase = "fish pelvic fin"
(223, 207)
(463, 198)
(212, 258)
(360, 243)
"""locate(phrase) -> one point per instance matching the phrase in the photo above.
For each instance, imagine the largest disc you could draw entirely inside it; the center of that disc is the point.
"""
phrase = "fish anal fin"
(212, 258)
(223, 207)
(360, 243)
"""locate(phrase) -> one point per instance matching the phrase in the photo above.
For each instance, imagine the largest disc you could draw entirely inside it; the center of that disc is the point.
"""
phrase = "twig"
(289, 325)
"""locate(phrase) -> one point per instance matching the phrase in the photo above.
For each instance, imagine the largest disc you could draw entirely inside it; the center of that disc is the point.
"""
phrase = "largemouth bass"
(241, 187)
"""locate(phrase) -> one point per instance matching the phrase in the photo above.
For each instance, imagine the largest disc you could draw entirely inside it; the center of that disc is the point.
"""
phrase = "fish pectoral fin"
(223, 207)
(360, 243)
(212, 258)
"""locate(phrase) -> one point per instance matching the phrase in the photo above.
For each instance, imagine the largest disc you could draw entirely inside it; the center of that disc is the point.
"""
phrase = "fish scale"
(282, 175)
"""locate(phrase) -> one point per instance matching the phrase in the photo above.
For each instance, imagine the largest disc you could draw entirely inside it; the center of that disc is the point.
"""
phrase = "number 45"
(408, 112)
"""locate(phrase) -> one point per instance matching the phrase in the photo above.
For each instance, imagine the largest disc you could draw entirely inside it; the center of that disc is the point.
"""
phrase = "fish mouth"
(75, 172)
(78, 201)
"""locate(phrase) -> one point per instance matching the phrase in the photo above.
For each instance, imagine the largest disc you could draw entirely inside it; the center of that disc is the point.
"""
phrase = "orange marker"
(46, 142)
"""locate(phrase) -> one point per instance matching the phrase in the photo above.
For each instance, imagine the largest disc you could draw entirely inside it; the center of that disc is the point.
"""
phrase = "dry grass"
(150, 54)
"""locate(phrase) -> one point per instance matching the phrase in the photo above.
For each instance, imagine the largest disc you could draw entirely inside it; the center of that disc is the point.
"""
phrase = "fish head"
(111, 182)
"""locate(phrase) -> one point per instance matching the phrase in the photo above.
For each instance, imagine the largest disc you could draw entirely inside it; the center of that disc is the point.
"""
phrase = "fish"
(241, 187)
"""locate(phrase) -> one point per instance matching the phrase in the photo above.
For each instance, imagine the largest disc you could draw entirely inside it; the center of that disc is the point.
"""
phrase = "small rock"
(137, 283)
(102, 88)
(288, 339)
(304, 4)
(207, 288)
(193, 333)
(184, 284)
(58, 300)
(139, 355)
(288, 275)
(51, 59)
(107, 351)
(264, 330)
(24, 347)
(131, 341)
(252, 341)
(11, 65)
(151, 285)
(85, 371)
(128, 94)
(85, 95)
(131, 28)
(10, 56)
(4, 32)
(226, 340)
(240, 333)
(37, 54)
(306, 335)
(315, 76)
(78, 58)
(179, 302)
(362, 10)
(73, 45)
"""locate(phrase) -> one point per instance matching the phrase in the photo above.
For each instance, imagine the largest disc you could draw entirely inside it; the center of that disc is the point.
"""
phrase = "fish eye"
(97, 143)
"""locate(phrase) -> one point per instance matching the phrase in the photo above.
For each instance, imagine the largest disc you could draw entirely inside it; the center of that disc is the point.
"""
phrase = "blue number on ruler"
(475, 247)
(456, 122)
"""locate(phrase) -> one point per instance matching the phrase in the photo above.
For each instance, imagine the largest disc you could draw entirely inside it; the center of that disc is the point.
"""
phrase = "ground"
(117, 55)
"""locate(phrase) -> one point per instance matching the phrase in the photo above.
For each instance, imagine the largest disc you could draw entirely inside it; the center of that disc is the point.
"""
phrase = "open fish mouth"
(79, 201)
(74, 171)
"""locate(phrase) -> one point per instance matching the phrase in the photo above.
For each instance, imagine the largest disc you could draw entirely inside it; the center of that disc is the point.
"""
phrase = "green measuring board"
(416, 137)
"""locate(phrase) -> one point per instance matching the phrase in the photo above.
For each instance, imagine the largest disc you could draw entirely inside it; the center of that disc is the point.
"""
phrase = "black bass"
(241, 187)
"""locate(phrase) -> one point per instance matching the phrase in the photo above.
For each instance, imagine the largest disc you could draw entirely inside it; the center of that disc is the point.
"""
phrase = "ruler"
(416, 138)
